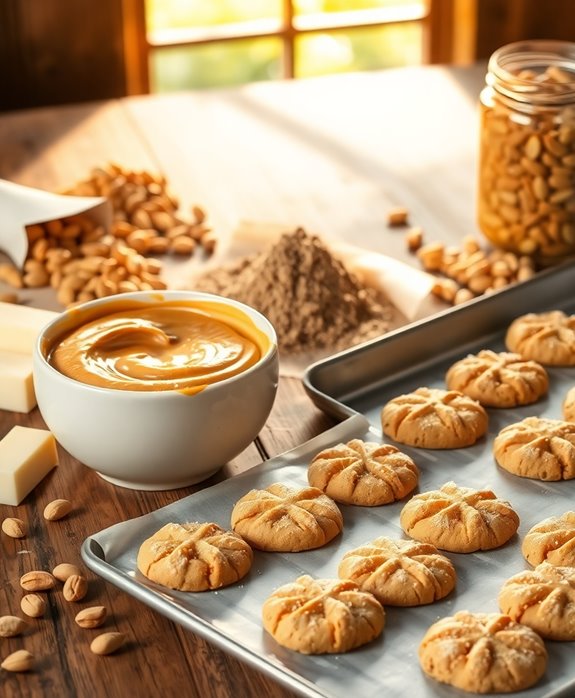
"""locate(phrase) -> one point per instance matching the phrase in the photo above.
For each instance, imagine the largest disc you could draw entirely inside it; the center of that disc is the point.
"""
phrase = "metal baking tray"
(353, 386)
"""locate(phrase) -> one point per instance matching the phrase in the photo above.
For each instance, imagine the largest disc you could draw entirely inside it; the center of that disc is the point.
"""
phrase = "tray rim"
(503, 304)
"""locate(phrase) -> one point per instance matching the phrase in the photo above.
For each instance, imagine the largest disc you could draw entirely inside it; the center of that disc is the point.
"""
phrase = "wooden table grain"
(331, 154)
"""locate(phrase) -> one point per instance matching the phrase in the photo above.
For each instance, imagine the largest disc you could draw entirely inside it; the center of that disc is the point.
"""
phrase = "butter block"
(20, 326)
(16, 384)
(26, 456)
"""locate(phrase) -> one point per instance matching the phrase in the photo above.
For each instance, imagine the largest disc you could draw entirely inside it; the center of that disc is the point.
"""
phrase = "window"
(204, 43)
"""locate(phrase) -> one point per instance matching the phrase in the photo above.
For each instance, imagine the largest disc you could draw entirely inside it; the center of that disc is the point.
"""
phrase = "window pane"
(358, 49)
(215, 65)
(304, 7)
(172, 14)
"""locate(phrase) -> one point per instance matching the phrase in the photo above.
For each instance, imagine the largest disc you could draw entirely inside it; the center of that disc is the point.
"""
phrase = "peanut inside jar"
(162, 346)
(527, 150)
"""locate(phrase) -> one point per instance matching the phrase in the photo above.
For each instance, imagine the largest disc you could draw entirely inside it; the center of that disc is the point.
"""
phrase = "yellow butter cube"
(26, 456)
(16, 384)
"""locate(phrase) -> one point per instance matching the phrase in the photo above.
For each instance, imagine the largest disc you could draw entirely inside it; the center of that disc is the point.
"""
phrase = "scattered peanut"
(13, 527)
(397, 216)
(57, 509)
(8, 297)
(10, 626)
(37, 580)
(33, 605)
(107, 643)
(21, 660)
(92, 617)
(414, 238)
(64, 570)
(75, 587)
(470, 271)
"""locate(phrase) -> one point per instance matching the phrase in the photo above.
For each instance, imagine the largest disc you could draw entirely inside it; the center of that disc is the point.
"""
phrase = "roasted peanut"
(397, 216)
(57, 509)
(75, 587)
(107, 643)
(64, 570)
(37, 580)
(92, 617)
(10, 626)
(21, 660)
(13, 527)
(33, 605)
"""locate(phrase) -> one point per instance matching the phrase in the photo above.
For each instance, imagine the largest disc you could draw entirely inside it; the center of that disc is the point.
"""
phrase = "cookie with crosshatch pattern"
(399, 572)
(498, 379)
(483, 653)
(434, 418)
(363, 473)
(459, 519)
(194, 557)
(548, 338)
(322, 616)
(281, 518)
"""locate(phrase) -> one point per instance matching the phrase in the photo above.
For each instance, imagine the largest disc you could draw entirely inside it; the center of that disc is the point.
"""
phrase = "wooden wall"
(501, 22)
(63, 51)
(59, 51)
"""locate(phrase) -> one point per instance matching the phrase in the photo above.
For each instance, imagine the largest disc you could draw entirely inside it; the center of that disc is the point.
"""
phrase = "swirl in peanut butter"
(157, 347)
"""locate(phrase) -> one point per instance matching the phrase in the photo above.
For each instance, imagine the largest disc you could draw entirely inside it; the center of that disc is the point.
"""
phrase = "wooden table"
(330, 154)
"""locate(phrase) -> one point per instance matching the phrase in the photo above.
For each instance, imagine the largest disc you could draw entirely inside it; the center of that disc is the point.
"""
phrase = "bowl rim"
(159, 296)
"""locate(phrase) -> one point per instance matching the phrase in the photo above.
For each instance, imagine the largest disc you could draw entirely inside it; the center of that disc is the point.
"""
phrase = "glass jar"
(526, 188)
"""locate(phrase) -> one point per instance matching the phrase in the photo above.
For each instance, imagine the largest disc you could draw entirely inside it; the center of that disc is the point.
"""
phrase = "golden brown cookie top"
(568, 406)
(287, 519)
(551, 540)
(459, 519)
(483, 653)
(321, 616)
(363, 473)
(399, 572)
(434, 418)
(543, 599)
(498, 379)
(538, 448)
(548, 338)
(194, 557)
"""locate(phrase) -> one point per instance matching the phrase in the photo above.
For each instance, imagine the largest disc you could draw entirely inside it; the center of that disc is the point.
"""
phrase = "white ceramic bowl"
(155, 440)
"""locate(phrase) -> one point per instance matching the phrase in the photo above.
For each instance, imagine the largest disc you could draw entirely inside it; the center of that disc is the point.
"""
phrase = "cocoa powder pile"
(307, 294)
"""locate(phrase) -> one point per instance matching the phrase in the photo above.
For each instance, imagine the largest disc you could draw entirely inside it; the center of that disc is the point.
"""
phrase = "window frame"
(438, 19)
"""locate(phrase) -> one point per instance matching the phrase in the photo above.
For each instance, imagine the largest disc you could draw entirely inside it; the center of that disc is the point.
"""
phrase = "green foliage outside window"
(247, 60)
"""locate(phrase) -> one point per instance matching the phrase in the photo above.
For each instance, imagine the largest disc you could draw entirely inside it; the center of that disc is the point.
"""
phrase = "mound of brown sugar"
(307, 294)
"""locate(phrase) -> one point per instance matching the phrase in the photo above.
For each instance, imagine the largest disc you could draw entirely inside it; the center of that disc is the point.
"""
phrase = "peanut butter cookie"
(543, 599)
(322, 616)
(483, 653)
(551, 540)
(459, 519)
(194, 557)
(499, 379)
(548, 338)
(537, 448)
(434, 418)
(282, 518)
(569, 405)
(363, 473)
(399, 572)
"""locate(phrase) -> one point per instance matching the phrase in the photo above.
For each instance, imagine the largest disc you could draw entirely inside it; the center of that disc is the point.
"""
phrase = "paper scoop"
(22, 206)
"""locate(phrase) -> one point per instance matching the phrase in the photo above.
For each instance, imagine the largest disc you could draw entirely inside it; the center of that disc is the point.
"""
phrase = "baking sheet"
(389, 666)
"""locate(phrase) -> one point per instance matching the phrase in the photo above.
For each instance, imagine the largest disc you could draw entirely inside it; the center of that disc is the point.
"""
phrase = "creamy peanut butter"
(172, 345)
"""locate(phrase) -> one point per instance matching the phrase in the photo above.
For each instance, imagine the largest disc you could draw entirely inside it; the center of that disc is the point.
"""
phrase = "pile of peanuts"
(465, 272)
(527, 172)
(83, 261)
